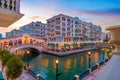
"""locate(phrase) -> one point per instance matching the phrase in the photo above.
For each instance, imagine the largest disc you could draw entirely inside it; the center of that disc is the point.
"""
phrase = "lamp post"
(28, 52)
(89, 59)
(57, 69)
(57, 73)
(103, 55)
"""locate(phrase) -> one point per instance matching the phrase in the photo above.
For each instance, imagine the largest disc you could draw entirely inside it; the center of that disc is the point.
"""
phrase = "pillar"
(76, 77)
(97, 64)
(89, 70)
(38, 77)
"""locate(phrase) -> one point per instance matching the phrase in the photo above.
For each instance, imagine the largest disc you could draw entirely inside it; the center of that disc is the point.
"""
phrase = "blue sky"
(100, 12)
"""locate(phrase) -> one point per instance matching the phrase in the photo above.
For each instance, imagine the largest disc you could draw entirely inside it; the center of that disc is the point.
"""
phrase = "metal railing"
(84, 74)
(32, 73)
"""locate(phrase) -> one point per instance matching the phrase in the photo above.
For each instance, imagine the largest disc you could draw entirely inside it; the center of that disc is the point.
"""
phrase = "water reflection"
(44, 64)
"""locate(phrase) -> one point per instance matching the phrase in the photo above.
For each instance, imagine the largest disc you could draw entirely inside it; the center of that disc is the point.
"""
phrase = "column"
(13, 5)
(2, 3)
(17, 6)
(8, 4)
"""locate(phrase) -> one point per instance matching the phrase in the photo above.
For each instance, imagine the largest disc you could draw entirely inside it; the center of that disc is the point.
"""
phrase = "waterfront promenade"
(72, 51)
(94, 74)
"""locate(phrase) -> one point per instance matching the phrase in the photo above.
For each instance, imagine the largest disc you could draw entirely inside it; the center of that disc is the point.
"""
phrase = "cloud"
(108, 13)
(37, 18)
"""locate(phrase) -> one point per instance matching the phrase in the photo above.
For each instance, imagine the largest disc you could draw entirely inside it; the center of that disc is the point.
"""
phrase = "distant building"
(0, 35)
(34, 29)
(9, 12)
(106, 36)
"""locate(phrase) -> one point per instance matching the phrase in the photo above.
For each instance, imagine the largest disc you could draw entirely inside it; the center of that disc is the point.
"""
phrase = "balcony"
(57, 30)
(9, 14)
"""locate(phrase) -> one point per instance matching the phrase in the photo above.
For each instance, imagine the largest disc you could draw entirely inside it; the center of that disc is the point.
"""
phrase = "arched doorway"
(26, 40)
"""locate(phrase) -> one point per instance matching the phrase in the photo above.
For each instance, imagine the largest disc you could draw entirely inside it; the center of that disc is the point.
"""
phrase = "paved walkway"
(94, 74)
(25, 76)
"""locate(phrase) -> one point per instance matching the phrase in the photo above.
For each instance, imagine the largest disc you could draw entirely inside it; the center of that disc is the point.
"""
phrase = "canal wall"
(70, 52)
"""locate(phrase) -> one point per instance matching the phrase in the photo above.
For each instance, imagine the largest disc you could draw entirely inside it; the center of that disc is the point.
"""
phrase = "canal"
(45, 65)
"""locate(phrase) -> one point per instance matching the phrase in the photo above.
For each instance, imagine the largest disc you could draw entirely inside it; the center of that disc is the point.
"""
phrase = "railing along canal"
(84, 74)
(32, 73)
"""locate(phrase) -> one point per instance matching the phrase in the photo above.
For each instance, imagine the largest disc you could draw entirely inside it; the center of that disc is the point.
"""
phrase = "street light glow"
(89, 53)
(57, 61)
(28, 52)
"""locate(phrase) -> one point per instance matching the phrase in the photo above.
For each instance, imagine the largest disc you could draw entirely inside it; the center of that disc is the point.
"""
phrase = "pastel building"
(34, 29)
(63, 28)
(9, 12)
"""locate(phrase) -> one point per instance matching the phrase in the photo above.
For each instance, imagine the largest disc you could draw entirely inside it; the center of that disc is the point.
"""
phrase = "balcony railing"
(12, 5)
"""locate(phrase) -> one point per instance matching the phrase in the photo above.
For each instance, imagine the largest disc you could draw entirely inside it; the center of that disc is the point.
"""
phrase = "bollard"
(97, 64)
(104, 62)
(89, 70)
(76, 77)
(38, 77)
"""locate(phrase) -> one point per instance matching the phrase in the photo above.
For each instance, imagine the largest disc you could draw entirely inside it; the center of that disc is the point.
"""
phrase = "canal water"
(44, 64)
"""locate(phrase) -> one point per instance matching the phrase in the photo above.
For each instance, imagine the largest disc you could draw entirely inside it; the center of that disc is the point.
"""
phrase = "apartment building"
(63, 28)
(34, 29)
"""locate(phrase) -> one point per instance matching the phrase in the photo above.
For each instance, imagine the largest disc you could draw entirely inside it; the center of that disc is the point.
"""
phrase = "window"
(58, 18)
(63, 29)
(63, 34)
(63, 24)
(68, 19)
(48, 22)
(63, 18)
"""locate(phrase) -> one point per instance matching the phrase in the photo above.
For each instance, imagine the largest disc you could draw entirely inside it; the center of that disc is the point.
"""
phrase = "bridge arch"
(39, 48)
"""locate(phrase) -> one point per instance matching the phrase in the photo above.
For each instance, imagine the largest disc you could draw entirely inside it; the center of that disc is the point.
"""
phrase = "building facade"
(9, 12)
(62, 28)
(34, 29)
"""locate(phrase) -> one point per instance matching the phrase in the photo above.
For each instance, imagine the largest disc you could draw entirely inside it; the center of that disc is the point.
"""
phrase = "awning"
(66, 45)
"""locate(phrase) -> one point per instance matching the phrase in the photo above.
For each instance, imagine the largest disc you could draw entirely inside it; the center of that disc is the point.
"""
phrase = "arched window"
(11, 43)
(19, 41)
(15, 42)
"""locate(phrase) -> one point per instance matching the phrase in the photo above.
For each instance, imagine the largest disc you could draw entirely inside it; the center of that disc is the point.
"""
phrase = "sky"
(103, 13)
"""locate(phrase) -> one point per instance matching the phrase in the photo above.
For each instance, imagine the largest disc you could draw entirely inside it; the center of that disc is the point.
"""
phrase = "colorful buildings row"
(60, 28)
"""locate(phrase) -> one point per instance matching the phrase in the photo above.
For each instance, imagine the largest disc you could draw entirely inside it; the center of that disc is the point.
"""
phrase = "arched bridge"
(37, 47)
(21, 42)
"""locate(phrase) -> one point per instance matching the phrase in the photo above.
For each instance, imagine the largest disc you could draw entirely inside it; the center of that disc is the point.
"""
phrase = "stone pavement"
(94, 74)
(25, 76)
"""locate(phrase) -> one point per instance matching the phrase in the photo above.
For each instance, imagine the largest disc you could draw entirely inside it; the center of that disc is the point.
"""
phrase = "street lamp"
(28, 52)
(89, 69)
(89, 54)
(57, 73)
(103, 55)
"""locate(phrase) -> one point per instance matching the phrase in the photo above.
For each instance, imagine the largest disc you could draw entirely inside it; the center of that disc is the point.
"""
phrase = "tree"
(14, 68)
(4, 56)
